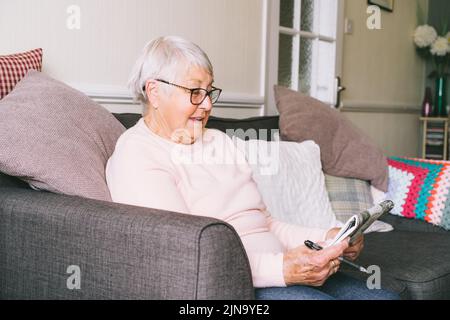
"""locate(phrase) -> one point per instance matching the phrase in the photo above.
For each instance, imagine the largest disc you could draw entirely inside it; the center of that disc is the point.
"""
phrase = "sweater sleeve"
(267, 269)
(292, 235)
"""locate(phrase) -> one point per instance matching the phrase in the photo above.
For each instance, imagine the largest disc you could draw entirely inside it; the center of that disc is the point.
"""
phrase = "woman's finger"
(334, 266)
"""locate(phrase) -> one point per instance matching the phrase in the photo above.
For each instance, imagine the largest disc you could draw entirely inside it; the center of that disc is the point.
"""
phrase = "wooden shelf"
(435, 138)
(431, 119)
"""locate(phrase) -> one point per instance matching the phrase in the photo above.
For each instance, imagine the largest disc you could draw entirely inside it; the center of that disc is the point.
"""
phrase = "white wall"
(97, 59)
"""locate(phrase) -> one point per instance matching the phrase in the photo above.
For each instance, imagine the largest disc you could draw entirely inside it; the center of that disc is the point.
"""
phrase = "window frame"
(273, 32)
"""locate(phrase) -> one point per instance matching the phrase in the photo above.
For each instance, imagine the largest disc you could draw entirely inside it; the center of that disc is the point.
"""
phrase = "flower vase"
(440, 102)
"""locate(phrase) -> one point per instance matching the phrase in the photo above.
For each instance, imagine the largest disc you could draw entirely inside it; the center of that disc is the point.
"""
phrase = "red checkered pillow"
(14, 67)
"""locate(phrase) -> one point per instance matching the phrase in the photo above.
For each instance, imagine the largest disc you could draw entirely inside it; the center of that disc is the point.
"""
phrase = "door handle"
(339, 89)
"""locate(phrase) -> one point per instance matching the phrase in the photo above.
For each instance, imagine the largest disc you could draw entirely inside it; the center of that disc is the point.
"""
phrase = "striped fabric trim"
(14, 67)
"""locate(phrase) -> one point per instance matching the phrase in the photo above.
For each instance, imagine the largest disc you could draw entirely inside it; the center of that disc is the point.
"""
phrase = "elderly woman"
(174, 80)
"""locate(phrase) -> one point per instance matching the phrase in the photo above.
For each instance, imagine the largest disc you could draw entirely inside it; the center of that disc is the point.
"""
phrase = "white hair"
(165, 58)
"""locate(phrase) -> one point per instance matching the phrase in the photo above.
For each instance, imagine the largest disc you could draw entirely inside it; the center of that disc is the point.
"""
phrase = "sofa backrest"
(262, 126)
(12, 182)
(127, 119)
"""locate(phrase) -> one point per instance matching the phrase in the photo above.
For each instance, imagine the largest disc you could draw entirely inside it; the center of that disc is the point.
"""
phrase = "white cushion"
(292, 184)
(290, 179)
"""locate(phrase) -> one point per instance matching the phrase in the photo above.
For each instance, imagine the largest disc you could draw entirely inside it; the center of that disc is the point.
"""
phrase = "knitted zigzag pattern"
(420, 189)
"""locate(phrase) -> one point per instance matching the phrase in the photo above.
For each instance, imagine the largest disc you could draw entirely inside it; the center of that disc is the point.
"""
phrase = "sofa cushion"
(420, 189)
(421, 261)
(290, 180)
(13, 68)
(349, 196)
(56, 138)
(346, 150)
(387, 281)
(400, 223)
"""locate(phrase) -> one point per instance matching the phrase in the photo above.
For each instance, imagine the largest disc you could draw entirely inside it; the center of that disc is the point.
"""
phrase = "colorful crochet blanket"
(420, 189)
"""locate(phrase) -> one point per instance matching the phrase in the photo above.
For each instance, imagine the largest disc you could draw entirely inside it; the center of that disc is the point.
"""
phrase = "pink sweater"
(208, 178)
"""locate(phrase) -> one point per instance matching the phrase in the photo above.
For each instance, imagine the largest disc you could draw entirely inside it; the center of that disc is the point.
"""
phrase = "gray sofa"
(128, 252)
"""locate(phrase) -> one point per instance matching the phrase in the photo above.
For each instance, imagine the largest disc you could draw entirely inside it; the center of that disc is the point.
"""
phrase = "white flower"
(424, 36)
(440, 47)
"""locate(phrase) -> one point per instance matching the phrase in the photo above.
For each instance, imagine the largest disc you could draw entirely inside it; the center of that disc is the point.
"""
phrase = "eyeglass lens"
(197, 96)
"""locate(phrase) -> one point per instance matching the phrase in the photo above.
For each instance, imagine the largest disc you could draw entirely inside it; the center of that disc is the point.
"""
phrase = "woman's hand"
(302, 265)
(354, 249)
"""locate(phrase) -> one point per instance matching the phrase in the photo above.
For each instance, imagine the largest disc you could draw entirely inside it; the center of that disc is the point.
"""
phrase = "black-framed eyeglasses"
(198, 95)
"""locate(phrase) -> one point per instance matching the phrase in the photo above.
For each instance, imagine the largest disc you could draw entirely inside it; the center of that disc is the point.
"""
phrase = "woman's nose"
(206, 104)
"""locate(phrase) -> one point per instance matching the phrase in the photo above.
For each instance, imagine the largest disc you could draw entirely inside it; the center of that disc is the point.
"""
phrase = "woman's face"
(179, 118)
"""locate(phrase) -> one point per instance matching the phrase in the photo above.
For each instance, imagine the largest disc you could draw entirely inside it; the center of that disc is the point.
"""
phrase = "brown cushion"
(345, 150)
(56, 138)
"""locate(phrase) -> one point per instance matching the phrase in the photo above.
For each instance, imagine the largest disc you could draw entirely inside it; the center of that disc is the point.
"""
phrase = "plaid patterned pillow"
(349, 196)
(14, 67)
(420, 189)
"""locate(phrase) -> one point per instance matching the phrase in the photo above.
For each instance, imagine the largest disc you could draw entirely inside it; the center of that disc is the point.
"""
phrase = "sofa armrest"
(123, 252)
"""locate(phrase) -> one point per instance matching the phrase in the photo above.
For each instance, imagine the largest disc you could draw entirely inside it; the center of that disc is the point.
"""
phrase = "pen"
(315, 246)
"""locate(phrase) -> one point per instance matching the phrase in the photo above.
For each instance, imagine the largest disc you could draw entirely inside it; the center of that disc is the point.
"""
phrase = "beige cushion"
(345, 150)
(56, 138)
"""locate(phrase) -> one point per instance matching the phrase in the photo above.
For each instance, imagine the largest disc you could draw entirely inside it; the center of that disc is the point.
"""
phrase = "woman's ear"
(151, 91)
